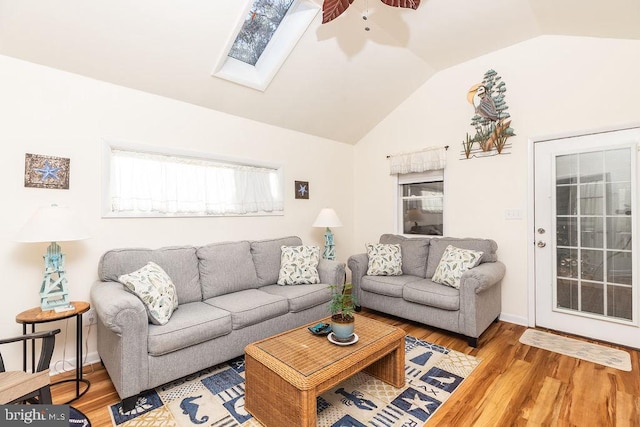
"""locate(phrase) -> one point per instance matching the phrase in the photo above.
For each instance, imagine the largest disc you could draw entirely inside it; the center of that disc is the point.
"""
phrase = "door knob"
(541, 230)
(541, 244)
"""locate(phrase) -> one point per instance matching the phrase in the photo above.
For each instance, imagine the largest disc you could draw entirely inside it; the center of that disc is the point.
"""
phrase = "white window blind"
(173, 185)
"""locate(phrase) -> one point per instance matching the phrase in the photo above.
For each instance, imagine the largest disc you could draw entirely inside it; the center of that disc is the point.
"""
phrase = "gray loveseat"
(468, 310)
(228, 298)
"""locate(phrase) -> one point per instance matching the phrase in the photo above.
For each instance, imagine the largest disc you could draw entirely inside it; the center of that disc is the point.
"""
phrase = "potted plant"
(343, 307)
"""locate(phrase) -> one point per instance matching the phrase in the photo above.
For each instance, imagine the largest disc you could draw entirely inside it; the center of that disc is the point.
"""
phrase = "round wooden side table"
(35, 316)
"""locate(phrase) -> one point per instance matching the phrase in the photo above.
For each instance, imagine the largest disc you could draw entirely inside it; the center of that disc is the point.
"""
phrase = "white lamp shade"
(52, 224)
(327, 218)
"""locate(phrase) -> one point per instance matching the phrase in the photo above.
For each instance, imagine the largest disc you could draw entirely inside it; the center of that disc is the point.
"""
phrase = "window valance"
(418, 161)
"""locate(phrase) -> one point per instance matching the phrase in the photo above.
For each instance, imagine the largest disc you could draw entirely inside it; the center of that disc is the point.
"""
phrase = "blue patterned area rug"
(215, 396)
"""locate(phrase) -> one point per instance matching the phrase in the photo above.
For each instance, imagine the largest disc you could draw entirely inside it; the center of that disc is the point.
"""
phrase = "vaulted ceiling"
(338, 82)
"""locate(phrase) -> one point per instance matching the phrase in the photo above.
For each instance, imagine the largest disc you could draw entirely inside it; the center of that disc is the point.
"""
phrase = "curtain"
(418, 161)
(156, 183)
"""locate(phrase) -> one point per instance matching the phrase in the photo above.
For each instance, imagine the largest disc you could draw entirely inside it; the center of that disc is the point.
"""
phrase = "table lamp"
(328, 218)
(53, 224)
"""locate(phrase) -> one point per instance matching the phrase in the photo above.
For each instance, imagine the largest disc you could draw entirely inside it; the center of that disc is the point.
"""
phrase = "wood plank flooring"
(515, 385)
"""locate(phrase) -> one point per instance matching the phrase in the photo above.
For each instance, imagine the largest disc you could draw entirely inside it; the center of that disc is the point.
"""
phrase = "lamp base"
(329, 248)
(54, 292)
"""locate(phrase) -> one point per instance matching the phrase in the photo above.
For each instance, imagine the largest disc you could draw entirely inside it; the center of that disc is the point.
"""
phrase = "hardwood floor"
(515, 385)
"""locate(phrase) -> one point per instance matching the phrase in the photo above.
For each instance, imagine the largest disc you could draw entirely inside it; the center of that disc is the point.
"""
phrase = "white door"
(585, 236)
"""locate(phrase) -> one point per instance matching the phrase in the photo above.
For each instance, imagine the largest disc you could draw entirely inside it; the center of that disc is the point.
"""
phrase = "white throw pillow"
(299, 265)
(453, 263)
(384, 259)
(156, 290)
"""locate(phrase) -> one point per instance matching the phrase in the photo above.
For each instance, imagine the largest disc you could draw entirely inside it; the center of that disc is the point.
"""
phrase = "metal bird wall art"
(331, 9)
(490, 119)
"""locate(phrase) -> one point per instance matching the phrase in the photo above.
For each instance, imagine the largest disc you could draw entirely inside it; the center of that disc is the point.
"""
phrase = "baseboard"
(510, 318)
(69, 365)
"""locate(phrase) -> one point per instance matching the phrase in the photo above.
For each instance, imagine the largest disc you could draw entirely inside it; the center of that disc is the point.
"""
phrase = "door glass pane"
(568, 263)
(591, 265)
(592, 297)
(619, 198)
(619, 233)
(590, 167)
(592, 198)
(568, 294)
(567, 231)
(619, 267)
(567, 200)
(619, 302)
(591, 232)
(567, 169)
(593, 211)
(618, 165)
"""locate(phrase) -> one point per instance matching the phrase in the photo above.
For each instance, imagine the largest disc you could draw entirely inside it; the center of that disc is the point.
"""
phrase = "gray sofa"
(228, 298)
(468, 310)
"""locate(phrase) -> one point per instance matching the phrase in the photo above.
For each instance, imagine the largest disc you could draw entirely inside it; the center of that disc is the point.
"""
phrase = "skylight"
(264, 37)
(261, 23)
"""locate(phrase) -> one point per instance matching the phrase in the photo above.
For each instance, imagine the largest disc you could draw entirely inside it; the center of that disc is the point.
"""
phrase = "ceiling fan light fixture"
(331, 9)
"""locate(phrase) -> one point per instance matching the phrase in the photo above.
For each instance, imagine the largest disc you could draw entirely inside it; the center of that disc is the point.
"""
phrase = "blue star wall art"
(46, 171)
(302, 189)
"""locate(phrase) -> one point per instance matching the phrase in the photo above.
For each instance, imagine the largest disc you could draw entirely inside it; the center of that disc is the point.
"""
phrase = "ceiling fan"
(331, 9)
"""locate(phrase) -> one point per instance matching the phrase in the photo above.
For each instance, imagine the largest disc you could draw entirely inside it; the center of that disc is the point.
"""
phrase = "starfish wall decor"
(331, 9)
(46, 171)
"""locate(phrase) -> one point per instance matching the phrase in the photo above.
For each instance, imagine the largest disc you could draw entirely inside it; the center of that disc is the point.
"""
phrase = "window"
(421, 202)
(264, 38)
(260, 24)
(142, 182)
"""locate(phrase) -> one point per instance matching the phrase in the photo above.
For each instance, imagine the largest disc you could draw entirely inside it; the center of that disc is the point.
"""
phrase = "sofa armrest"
(331, 272)
(111, 301)
(358, 264)
(483, 276)
(123, 330)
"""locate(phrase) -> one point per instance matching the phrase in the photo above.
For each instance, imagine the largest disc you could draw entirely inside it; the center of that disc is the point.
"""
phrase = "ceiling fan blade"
(331, 9)
(409, 4)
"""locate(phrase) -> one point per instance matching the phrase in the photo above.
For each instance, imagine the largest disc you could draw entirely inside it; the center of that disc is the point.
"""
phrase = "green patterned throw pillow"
(384, 259)
(299, 265)
(156, 290)
(453, 263)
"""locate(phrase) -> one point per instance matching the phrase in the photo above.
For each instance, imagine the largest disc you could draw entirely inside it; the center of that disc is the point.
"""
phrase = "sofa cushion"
(438, 245)
(226, 267)
(386, 285)
(301, 297)
(266, 257)
(414, 253)
(250, 306)
(453, 263)
(384, 260)
(155, 289)
(194, 323)
(179, 262)
(426, 292)
(299, 265)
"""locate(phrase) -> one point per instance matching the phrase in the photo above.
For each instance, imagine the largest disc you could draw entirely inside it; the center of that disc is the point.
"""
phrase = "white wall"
(49, 112)
(554, 84)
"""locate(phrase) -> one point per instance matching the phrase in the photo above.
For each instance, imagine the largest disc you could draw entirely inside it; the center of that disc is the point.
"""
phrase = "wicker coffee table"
(285, 373)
